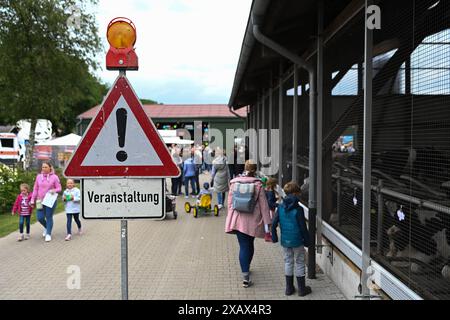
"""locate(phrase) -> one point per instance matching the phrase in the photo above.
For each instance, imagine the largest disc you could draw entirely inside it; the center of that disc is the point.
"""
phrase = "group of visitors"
(256, 207)
(192, 163)
(43, 198)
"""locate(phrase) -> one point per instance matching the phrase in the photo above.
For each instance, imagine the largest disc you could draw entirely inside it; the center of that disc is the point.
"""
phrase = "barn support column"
(320, 102)
(367, 155)
(280, 125)
(295, 126)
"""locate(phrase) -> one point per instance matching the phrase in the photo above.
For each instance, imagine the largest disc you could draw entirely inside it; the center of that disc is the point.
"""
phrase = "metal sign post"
(124, 258)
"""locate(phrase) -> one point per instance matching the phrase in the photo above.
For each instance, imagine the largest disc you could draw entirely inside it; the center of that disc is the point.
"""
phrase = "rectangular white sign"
(123, 198)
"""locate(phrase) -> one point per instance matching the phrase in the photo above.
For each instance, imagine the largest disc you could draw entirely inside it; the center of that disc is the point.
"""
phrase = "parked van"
(9, 148)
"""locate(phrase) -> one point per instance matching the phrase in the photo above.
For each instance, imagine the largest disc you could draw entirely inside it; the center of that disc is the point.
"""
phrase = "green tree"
(47, 52)
(149, 101)
(91, 93)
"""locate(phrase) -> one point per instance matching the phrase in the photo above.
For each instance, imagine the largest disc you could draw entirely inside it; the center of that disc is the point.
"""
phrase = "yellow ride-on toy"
(203, 205)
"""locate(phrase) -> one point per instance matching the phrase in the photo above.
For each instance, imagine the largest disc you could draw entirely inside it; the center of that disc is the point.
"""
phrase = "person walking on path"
(220, 177)
(248, 225)
(179, 162)
(46, 182)
(23, 207)
(180, 181)
(189, 172)
(197, 154)
(72, 197)
(294, 238)
(208, 156)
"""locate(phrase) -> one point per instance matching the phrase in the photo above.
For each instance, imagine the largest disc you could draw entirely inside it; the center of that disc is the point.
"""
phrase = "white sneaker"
(48, 238)
(27, 237)
(80, 231)
(68, 238)
(220, 206)
(20, 238)
(44, 233)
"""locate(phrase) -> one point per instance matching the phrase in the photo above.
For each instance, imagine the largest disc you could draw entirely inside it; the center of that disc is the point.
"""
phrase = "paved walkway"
(186, 258)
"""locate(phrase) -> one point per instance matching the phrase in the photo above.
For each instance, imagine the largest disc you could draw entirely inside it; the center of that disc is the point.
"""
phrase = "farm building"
(360, 92)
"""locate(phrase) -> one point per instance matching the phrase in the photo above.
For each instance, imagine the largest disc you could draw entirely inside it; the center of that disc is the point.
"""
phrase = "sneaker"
(27, 237)
(246, 283)
(268, 237)
(68, 238)
(186, 197)
(220, 206)
(44, 233)
(20, 238)
(48, 238)
(80, 231)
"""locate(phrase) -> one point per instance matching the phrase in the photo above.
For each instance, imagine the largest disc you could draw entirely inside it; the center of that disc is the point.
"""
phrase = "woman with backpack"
(248, 215)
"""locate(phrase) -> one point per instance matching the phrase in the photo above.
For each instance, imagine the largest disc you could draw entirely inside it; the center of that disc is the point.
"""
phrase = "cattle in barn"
(418, 238)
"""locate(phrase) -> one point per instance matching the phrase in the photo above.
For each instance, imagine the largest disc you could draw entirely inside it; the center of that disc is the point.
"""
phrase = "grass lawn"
(9, 223)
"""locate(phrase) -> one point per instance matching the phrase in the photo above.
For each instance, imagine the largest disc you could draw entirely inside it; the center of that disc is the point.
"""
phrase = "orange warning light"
(121, 36)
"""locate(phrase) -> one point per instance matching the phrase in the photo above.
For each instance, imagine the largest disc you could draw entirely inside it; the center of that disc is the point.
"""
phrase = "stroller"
(171, 204)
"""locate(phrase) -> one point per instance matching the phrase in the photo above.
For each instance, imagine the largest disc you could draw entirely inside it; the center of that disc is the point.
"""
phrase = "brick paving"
(186, 258)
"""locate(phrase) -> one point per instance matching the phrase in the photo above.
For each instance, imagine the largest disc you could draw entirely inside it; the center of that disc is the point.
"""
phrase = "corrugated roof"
(172, 111)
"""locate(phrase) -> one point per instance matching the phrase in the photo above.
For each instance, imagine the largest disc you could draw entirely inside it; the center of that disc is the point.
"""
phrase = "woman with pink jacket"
(46, 182)
(248, 226)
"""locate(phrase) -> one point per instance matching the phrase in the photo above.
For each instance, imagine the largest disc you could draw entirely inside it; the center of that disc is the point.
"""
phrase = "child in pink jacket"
(247, 226)
(23, 208)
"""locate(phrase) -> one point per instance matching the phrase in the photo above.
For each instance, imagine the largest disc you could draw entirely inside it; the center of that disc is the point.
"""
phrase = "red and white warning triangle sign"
(121, 141)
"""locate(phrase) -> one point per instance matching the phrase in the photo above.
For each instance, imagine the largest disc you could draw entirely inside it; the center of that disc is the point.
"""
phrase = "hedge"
(10, 181)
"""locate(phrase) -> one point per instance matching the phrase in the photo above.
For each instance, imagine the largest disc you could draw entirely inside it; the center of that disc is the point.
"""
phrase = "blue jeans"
(193, 185)
(246, 251)
(45, 217)
(221, 198)
(22, 220)
(76, 217)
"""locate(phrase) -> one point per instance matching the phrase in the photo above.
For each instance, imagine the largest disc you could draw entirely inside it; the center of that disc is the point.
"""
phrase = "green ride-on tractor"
(203, 205)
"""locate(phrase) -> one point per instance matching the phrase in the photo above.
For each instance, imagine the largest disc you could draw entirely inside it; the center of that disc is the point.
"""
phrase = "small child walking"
(294, 238)
(271, 195)
(23, 207)
(71, 198)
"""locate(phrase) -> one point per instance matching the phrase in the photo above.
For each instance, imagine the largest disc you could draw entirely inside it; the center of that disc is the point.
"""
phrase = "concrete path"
(186, 258)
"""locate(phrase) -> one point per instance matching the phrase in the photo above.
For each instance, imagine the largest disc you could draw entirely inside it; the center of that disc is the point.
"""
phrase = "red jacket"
(17, 208)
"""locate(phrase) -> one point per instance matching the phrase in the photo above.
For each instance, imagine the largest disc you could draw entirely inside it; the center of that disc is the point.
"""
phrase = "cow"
(419, 235)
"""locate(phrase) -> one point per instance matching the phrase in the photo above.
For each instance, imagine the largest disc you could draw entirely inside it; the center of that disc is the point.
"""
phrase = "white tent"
(177, 140)
(170, 137)
(69, 140)
(167, 133)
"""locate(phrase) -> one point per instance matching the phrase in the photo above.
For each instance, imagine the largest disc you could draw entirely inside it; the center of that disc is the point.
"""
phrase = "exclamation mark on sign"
(121, 117)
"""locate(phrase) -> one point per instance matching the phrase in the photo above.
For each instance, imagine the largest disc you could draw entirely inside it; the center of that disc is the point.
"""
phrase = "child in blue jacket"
(294, 238)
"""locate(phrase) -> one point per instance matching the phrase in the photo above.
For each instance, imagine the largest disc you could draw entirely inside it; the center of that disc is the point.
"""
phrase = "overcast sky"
(188, 49)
